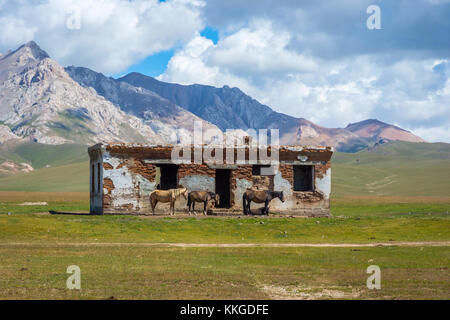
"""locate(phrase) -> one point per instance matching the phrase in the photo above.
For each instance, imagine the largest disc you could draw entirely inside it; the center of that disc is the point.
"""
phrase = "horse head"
(281, 196)
(183, 191)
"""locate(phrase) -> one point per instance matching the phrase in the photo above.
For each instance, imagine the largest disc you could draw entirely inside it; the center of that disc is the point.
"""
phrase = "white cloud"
(437, 134)
(187, 66)
(332, 93)
(310, 61)
(114, 34)
(259, 48)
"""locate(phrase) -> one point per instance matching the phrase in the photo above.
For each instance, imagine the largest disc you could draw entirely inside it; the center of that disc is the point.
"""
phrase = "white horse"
(165, 196)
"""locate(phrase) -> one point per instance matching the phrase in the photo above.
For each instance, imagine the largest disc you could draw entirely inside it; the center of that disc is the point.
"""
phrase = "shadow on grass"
(72, 213)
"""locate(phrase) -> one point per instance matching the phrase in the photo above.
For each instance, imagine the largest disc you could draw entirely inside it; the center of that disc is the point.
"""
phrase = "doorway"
(169, 176)
(223, 178)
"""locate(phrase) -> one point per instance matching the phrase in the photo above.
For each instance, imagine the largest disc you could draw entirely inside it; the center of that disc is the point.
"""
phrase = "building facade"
(123, 175)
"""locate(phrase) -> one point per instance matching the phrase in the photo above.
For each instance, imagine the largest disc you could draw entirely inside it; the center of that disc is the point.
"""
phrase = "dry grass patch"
(22, 196)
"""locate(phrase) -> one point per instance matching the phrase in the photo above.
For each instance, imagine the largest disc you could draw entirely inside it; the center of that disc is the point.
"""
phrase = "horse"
(260, 196)
(201, 196)
(165, 196)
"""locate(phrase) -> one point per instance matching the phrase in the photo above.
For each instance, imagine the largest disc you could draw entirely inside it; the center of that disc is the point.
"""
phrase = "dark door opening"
(303, 178)
(223, 187)
(169, 176)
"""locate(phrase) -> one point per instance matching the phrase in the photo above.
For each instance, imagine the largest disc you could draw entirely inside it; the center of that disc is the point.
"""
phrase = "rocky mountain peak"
(27, 51)
(40, 102)
(375, 129)
(34, 50)
(44, 102)
(23, 58)
(367, 122)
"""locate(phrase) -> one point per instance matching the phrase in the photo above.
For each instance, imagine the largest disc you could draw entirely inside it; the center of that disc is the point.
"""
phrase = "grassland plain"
(354, 220)
(378, 196)
(224, 273)
(36, 248)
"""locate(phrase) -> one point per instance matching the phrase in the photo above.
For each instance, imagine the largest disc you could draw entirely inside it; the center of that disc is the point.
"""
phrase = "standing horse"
(170, 195)
(201, 196)
(260, 196)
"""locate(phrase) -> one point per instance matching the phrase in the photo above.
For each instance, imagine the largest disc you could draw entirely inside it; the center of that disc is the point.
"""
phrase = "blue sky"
(311, 59)
(155, 64)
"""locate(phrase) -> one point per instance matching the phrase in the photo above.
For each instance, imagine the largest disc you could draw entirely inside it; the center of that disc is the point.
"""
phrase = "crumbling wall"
(127, 184)
(195, 177)
(316, 202)
(241, 180)
(263, 182)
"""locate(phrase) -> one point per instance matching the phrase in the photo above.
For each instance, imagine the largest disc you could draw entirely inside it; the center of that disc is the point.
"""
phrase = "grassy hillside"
(68, 178)
(40, 155)
(392, 169)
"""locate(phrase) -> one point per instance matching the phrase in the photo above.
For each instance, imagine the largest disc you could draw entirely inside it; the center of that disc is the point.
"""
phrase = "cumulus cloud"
(310, 59)
(334, 28)
(113, 34)
(411, 92)
(260, 48)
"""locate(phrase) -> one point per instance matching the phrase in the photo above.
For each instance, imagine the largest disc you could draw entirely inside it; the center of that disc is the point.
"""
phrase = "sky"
(317, 60)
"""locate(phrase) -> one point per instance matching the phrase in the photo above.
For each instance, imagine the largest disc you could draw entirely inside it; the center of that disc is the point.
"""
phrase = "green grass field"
(224, 273)
(398, 193)
(352, 222)
(116, 260)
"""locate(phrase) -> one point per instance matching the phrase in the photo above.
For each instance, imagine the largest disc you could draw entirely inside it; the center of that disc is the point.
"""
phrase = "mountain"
(376, 130)
(226, 107)
(43, 102)
(18, 156)
(230, 108)
(40, 102)
(163, 116)
(6, 134)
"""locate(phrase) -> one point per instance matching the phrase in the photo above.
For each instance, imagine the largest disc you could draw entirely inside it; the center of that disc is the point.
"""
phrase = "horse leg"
(154, 201)
(266, 207)
(204, 207)
(192, 204)
(189, 205)
(249, 210)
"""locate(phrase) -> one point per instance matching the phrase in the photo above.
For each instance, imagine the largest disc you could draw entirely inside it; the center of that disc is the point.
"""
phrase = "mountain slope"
(226, 107)
(394, 169)
(164, 117)
(230, 108)
(375, 130)
(40, 102)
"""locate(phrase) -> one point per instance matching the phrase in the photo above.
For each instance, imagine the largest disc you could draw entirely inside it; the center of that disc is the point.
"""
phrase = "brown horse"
(201, 196)
(260, 196)
(170, 195)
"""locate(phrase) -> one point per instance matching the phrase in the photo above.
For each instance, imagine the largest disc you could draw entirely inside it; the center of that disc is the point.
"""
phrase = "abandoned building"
(123, 175)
